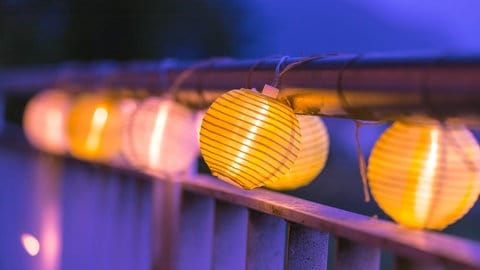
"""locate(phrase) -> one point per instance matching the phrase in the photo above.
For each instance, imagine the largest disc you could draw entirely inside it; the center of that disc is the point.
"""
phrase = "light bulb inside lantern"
(425, 175)
(44, 120)
(311, 158)
(160, 137)
(94, 128)
(249, 139)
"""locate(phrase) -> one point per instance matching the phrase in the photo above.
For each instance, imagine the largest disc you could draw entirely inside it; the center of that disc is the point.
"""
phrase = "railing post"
(266, 242)
(402, 263)
(351, 255)
(307, 248)
(230, 240)
(196, 232)
(166, 199)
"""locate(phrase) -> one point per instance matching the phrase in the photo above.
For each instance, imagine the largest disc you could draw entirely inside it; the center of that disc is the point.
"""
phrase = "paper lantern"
(425, 176)
(249, 139)
(44, 120)
(311, 158)
(94, 128)
(160, 137)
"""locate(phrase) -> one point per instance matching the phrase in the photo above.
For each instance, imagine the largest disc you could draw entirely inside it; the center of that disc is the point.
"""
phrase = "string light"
(44, 120)
(311, 158)
(425, 175)
(249, 139)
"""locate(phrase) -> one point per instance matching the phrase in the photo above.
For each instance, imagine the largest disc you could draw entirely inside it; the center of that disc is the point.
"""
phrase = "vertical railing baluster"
(196, 232)
(351, 255)
(230, 240)
(409, 264)
(266, 241)
(307, 248)
(166, 199)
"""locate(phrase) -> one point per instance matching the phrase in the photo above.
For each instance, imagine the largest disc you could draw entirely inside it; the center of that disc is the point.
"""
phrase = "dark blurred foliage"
(38, 31)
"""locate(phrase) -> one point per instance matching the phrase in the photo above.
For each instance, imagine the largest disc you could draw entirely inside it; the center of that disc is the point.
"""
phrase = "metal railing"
(202, 223)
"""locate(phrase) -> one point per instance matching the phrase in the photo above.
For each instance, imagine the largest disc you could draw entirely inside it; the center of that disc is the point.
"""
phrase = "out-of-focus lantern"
(44, 120)
(311, 158)
(249, 139)
(425, 175)
(160, 137)
(94, 128)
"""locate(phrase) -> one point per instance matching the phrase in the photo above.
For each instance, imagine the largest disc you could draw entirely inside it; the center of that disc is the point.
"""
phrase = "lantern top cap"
(270, 91)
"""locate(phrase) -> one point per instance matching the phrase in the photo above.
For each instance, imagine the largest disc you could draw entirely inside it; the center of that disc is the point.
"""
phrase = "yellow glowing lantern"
(311, 158)
(94, 128)
(44, 121)
(249, 139)
(425, 175)
(160, 137)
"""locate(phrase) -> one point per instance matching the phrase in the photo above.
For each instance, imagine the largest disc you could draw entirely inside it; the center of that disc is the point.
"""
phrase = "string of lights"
(420, 171)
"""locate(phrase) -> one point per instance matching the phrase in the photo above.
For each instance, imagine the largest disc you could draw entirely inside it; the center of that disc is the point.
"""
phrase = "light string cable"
(279, 74)
(174, 89)
(362, 163)
(251, 70)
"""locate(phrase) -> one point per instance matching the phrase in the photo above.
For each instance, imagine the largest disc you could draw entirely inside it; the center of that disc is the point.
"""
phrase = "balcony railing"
(198, 222)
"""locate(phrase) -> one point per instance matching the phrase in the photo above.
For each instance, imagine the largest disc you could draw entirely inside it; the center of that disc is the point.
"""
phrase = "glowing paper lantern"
(311, 158)
(44, 121)
(94, 128)
(160, 137)
(425, 176)
(249, 139)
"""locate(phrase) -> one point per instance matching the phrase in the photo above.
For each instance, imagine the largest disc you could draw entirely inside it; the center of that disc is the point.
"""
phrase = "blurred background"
(48, 32)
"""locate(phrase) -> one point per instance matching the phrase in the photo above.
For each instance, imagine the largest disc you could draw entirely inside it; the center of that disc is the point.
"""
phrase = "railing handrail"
(369, 87)
(415, 244)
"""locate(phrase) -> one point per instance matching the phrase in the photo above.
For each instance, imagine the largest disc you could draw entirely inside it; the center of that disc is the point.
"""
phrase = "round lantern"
(249, 139)
(44, 121)
(94, 127)
(425, 175)
(160, 137)
(311, 158)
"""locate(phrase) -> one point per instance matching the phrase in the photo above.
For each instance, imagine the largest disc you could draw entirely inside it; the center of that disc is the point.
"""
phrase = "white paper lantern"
(44, 120)
(160, 137)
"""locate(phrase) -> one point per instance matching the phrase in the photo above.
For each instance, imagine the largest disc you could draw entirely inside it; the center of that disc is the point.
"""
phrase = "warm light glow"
(160, 137)
(94, 128)
(425, 175)
(30, 244)
(249, 139)
(44, 120)
(157, 136)
(99, 119)
(423, 194)
(311, 158)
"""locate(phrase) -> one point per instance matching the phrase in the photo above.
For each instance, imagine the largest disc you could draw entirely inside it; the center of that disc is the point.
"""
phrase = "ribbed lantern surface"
(249, 139)
(44, 120)
(425, 176)
(311, 158)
